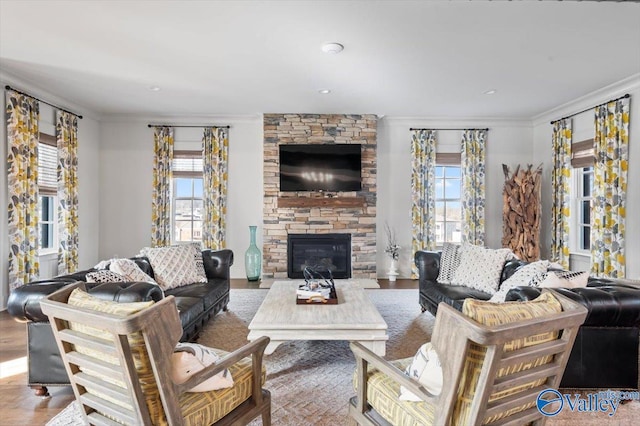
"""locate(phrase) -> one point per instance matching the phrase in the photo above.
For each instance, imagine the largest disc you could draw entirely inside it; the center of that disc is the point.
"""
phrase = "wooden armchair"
(493, 370)
(118, 358)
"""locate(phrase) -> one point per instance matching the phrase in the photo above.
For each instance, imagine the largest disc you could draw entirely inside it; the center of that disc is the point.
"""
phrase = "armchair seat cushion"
(205, 408)
(383, 395)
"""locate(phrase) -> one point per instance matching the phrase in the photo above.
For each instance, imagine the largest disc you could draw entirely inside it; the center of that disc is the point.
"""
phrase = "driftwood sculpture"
(521, 212)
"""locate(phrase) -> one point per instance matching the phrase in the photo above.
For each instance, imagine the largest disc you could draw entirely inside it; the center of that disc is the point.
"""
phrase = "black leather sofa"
(605, 353)
(196, 303)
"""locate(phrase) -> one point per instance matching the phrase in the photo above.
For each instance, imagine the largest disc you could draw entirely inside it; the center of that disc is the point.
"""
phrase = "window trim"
(184, 154)
(447, 160)
(576, 221)
(53, 223)
(52, 192)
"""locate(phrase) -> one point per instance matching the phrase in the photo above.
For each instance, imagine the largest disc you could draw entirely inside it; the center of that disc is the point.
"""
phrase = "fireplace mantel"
(348, 202)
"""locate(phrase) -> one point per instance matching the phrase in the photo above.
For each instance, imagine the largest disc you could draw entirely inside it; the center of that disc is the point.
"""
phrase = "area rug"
(310, 381)
(369, 283)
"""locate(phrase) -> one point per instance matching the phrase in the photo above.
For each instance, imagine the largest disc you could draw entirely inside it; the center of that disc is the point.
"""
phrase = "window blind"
(47, 165)
(448, 158)
(187, 164)
(582, 154)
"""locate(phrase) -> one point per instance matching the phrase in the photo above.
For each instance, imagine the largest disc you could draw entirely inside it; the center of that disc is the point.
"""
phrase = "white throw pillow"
(130, 270)
(567, 279)
(426, 369)
(174, 266)
(190, 358)
(530, 275)
(449, 262)
(104, 276)
(480, 268)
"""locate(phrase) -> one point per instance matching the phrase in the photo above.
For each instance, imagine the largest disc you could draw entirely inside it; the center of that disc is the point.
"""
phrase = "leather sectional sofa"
(605, 353)
(196, 303)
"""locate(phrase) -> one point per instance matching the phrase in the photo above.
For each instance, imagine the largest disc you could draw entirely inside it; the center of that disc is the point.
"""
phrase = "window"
(187, 202)
(583, 178)
(582, 158)
(448, 204)
(47, 194)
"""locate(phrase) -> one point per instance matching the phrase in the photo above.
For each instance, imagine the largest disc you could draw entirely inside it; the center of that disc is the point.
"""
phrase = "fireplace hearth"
(332, 251)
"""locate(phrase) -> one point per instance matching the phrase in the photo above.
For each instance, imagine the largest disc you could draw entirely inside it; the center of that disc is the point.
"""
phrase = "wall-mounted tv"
(320, 167)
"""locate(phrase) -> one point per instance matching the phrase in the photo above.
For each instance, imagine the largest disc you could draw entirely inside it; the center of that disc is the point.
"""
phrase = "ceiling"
(432, 59)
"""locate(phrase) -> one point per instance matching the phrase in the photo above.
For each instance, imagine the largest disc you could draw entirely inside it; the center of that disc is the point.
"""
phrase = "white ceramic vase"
(393, 272)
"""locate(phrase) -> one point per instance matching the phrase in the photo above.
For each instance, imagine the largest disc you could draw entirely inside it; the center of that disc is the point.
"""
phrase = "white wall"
(88, 197)
(115, 177)
(126, 177)
(509, 142)
(583, 129)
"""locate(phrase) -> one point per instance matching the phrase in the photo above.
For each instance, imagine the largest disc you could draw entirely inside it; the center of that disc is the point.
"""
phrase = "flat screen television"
(320, 167)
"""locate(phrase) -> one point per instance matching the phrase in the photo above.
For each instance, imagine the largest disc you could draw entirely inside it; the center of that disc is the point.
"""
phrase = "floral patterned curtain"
(161, 202)
(561, 191)
(472, 175)
(609, 189)
(215, 145)
(67, 140)
(423, 193)
(22, 114)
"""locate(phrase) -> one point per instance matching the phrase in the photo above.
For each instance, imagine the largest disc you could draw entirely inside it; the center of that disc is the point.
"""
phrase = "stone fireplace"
(313, 212)
(330, 251)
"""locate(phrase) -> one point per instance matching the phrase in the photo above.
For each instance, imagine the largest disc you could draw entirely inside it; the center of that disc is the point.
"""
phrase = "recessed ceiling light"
(490, 92)
(332, 47)
(154, 88)
(324, 91)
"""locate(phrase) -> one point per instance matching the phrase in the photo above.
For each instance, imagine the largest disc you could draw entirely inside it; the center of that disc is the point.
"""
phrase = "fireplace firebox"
(332, 251)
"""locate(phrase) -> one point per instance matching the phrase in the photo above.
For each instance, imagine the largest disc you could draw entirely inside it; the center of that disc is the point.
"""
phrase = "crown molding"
(470, 122)
(591, 99)
(196, 119)
(35, 90)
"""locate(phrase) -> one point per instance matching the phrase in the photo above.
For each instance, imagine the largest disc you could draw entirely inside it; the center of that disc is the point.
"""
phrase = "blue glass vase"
(253, 257)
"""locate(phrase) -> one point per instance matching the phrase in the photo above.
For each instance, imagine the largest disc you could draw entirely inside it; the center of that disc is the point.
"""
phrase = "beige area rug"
(363, 282)
(310, 381)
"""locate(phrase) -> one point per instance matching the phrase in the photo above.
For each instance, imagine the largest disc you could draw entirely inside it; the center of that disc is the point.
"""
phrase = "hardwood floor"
(18, 404)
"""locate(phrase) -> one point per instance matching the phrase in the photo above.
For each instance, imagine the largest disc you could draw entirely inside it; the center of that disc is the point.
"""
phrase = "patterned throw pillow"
(449, 262)
(426, 369)
(480, 268)
(199, 261)
(105, 276)
(567, 279)
(529, 275)
(130, 270)
(189, 358)
(494, 314)
(174, 266)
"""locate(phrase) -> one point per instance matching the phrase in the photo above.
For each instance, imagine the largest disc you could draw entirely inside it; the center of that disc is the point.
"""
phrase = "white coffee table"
(354, 318)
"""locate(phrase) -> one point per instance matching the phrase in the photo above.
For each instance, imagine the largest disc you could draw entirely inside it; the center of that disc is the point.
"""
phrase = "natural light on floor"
(13, 367)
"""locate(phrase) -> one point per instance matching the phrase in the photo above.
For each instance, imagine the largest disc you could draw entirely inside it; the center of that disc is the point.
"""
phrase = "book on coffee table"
(318, 296)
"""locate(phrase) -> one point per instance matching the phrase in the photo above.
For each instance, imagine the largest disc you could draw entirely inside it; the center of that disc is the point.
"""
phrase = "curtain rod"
(44, 102)
(184, 125)
(588, 109)
(412, 128)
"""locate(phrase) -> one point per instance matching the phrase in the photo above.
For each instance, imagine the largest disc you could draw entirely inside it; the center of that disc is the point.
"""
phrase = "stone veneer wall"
(360, 222)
